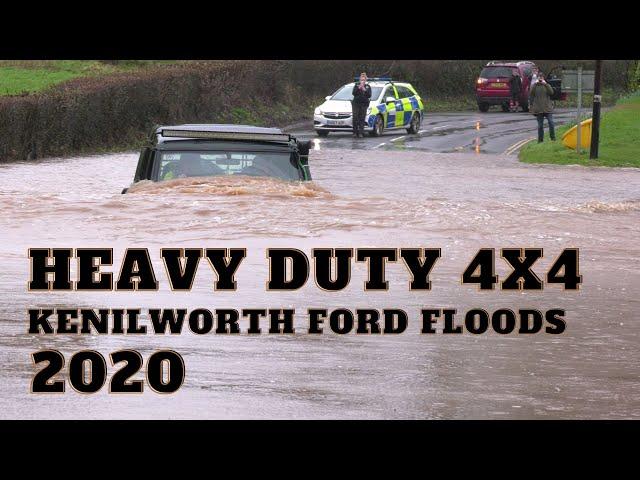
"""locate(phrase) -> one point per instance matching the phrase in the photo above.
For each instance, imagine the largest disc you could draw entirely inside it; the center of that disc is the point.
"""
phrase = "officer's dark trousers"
(359, 111)
(552, 131)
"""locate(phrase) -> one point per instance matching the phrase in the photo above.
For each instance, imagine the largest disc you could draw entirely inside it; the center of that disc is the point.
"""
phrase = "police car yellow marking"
(399, 113)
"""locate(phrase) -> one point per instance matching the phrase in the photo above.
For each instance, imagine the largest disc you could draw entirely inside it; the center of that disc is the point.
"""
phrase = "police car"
(210, 150)
(393, 105)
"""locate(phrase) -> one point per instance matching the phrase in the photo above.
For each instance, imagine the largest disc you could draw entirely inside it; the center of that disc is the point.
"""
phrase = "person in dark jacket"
(359, 104)
(515, 85)
(541, 106)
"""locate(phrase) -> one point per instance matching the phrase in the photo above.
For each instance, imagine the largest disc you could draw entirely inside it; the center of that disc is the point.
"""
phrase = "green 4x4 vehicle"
(209, 150)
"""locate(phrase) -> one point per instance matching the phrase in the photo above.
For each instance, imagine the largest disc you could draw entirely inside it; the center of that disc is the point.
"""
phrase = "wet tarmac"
(491, 132)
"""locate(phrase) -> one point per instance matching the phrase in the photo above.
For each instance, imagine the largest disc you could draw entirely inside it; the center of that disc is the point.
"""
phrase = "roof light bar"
(269, 137)
(375, 79)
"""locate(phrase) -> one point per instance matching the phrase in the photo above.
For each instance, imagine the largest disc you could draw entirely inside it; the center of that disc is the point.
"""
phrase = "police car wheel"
(414, 126)
(378, 126)
(322, 133)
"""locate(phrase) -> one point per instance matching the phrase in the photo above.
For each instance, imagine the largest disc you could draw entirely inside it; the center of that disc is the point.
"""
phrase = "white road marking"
(381, 145)
(397, 138)
(421, 131)
(440, 127)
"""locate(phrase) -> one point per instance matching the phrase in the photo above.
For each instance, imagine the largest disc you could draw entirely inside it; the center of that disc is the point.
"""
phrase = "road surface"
(492, 132)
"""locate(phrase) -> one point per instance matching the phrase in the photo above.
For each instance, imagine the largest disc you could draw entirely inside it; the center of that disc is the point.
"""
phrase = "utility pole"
(595, 117)
(579, 112)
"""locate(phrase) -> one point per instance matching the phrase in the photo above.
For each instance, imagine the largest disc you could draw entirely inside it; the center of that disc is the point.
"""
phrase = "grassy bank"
(23, 77)
(619, 140)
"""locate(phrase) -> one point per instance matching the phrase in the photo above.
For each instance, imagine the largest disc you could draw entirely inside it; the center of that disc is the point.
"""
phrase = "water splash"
(231, 185)
(610, 207)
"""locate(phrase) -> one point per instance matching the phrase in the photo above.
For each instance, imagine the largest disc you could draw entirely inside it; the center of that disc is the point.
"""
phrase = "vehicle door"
(408, 103)
(391, 103)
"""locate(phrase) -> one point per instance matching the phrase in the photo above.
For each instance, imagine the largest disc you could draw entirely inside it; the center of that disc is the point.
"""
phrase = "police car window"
(212, 164)
(345, 93)
(404, 92)
(390, 93)
(375, 92)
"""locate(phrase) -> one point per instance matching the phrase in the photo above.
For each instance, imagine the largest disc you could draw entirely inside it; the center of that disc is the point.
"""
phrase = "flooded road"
(457, 202)
(452, 132)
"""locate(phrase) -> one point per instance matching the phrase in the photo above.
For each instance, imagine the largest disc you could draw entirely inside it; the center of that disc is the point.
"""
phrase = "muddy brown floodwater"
(456, 202)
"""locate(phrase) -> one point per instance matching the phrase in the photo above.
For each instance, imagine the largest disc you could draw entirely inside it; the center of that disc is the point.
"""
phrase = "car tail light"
(481, 81)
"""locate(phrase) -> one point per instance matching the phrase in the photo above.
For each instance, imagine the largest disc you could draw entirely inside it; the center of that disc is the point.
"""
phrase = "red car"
(492, 87)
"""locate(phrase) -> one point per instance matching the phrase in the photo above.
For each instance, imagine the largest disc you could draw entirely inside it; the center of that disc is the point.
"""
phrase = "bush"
(118, 111)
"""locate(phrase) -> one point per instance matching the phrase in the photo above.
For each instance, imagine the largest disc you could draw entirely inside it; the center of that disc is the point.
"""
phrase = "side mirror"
(303, 149)
(328, 97)
(303, 153)
(143, 165)
(389, 100)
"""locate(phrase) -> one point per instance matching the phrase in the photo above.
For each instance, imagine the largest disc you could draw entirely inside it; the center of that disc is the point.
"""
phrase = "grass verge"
(22, 77)
(619, 140)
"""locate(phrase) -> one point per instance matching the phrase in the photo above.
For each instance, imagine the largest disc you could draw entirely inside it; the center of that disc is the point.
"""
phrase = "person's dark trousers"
(552, 127)
(359, 111)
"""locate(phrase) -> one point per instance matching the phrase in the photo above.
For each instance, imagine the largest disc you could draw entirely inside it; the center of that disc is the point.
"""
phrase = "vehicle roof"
(381, 83)
(508, 64)
(263, 132)
(190, 144)
(219, 127)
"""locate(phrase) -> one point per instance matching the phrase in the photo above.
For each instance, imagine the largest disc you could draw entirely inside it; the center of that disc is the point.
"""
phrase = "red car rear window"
(493, 72)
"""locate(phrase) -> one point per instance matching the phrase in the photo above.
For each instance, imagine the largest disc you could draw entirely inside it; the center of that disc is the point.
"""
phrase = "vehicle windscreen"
(493, 72)
(175, 164)
(345, 93)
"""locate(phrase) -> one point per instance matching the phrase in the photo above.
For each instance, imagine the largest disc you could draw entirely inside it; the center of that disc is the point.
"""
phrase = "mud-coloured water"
(456, 202)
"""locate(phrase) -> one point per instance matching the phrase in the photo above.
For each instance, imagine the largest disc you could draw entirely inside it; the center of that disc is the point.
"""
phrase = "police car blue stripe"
(391, 119)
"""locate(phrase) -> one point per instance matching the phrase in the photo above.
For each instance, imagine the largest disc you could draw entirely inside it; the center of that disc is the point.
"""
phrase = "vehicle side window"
(389, 93)
(404, 92)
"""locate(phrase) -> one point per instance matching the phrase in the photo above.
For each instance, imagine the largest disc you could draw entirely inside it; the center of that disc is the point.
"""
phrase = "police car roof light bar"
(375, 79)
(269, 137)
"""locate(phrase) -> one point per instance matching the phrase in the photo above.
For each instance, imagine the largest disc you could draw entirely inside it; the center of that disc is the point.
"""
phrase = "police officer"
(359, 104)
